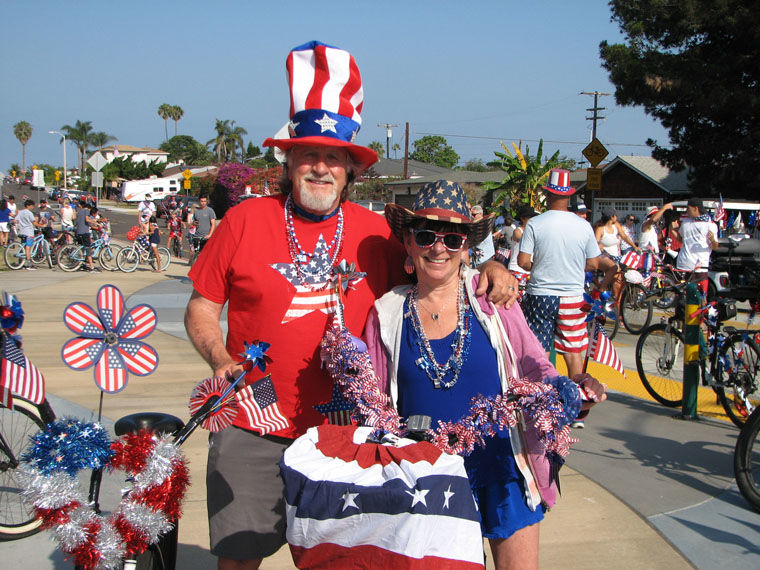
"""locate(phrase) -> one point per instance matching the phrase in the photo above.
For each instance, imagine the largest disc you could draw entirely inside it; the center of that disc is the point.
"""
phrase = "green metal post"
(691, 335)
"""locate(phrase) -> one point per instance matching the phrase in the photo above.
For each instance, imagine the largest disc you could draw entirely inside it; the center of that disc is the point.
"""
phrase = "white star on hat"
(327, 124)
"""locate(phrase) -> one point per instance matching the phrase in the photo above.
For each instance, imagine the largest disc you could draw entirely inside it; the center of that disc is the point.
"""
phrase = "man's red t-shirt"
(247, 264)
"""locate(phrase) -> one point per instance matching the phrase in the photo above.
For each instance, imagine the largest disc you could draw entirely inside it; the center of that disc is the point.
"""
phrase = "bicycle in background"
(15, 253)
(140, 251)
(72, 257)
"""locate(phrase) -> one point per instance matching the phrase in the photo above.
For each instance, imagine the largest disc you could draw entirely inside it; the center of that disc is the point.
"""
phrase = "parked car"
(373, 205)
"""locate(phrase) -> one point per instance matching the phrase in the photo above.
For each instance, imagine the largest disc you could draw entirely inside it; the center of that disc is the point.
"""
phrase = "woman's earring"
(408, 265)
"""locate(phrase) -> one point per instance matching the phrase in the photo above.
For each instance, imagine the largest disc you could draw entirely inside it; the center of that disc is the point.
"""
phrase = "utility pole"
(595, 109)
(406, 152)
(388, 135)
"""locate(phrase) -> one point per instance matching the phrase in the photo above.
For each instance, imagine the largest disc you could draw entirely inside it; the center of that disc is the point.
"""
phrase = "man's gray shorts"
(245, 494)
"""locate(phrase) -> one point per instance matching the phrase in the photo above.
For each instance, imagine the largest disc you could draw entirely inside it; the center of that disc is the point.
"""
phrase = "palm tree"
(176, 115)
(23, 132)
(395, 148)
(101, 139)
(165, 112)
(222, 129)
(236, 136)
(80, 135)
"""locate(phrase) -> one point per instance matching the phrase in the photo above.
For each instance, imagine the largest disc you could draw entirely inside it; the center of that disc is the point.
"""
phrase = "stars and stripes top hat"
(559, 182)
(442, 201)
(326, 99)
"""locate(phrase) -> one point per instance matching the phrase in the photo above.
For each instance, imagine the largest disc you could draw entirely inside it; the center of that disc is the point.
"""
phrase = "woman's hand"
(594, 390)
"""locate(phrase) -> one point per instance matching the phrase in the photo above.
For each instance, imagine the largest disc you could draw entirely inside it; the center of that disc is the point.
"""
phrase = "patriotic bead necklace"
(318, 272)
(459, 346)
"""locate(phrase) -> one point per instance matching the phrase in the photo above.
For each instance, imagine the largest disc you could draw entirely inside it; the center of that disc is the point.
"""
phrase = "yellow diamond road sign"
(595, 152)
(187, 174)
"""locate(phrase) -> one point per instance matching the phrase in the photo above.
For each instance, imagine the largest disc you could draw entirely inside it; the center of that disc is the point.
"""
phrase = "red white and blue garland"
(550, 405)
(48, 475)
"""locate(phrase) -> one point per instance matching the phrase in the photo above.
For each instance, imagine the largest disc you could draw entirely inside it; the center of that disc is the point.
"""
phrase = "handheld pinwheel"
(214, 401)
(345, 275)
(600, 307)
(11, 314)
(18, 376)
(109, 339)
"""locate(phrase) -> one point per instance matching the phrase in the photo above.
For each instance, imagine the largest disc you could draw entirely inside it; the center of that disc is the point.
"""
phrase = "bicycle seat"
(155, 421)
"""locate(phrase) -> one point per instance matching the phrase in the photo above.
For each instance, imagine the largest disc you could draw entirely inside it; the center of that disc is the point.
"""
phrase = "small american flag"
(720, 213)
(603, 351)
(18, 376)
(138, 323)
(140, 358)
(260, 412)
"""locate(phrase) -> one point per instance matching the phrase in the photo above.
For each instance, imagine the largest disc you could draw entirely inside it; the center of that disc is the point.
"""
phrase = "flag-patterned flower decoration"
(109, 339)
(599, 307)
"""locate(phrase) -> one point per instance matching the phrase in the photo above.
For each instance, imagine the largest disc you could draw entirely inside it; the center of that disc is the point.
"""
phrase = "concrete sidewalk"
(588, 528)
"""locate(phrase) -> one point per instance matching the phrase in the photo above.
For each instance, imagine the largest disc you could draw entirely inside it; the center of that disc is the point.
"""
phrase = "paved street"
(634, 470)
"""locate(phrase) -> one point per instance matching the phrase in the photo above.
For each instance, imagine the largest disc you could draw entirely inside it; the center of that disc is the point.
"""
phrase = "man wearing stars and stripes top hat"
(271, 261)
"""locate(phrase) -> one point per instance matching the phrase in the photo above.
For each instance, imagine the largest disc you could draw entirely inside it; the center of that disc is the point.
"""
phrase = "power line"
(584, 143)
(389, 134)
(594, 109)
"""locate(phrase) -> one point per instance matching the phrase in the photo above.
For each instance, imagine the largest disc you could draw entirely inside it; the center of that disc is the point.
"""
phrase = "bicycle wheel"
(659, 361)
(747, 461)
(176, 248)
(107, 257)
(635, 310)
(665, 299)
(38, 254)
(165, 257)
(127, 259)
(738, 388)
(611, 325)
(17, 520)
(15, 256)
(70, 257)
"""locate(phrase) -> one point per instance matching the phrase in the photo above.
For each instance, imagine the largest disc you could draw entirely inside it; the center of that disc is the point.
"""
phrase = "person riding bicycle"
(26, 223)
(146, 209)
(46, 215)
(204, 221)
(86, 220)
(609, 233)
(175, 230)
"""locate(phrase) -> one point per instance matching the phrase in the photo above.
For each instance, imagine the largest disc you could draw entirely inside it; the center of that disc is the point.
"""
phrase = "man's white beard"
(322, 202)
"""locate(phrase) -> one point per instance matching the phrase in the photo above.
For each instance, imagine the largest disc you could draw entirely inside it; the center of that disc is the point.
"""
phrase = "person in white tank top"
(608, 235)
(649, 238)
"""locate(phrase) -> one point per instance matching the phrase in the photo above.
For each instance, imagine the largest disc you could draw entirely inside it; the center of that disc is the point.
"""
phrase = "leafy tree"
(378, 147)
(525, 175)
(476, 165)
(101, 139)
(269, 157)
(395, 148)
(186, 149)
(79, 135)
(434, 149)
(692, 65)
(175, 115)
(252, 151)
(23, 132)
(165, 112)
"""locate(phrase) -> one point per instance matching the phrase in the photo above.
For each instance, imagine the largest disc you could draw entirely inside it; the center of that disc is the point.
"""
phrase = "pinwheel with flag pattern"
(109, 339)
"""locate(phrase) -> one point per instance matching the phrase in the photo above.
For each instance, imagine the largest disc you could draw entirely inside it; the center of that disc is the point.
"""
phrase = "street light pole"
(65, 184)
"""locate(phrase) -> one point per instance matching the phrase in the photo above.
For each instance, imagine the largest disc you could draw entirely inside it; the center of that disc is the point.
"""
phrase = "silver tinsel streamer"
(51, 492)
(151, 523)
(72, 533)
(111, 548)
(160, 466)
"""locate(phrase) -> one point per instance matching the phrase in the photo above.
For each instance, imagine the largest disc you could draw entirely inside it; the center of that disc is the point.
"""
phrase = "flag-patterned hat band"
(326, 99)
(442, 201)
(559, 182)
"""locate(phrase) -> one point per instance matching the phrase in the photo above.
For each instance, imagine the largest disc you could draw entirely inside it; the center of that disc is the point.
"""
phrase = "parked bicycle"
(15, 253)
(747, 460)
(730, 364)
(140, 251)
(72, 257)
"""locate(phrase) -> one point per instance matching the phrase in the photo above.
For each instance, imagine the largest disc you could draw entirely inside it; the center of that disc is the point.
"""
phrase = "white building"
(138, 154)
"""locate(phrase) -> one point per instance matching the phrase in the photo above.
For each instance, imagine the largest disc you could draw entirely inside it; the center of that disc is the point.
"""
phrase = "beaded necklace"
(313, 267)
(459, 346)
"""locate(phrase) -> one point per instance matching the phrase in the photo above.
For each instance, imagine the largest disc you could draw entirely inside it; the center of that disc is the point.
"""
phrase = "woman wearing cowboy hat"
(433, 348)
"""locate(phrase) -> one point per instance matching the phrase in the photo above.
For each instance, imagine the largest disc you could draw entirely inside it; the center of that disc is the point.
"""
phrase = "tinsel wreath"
(48, 476)
(549, 405)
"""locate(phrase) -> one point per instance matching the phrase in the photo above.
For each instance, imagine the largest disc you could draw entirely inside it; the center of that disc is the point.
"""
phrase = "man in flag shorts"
(558, 247)
(272, 262)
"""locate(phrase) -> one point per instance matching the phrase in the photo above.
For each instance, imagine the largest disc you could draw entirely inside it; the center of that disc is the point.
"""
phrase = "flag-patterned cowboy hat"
(559, 182)
(326, 99)
(442, 201)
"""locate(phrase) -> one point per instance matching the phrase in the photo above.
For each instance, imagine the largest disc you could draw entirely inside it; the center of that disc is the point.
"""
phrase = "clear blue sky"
(483, 71)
